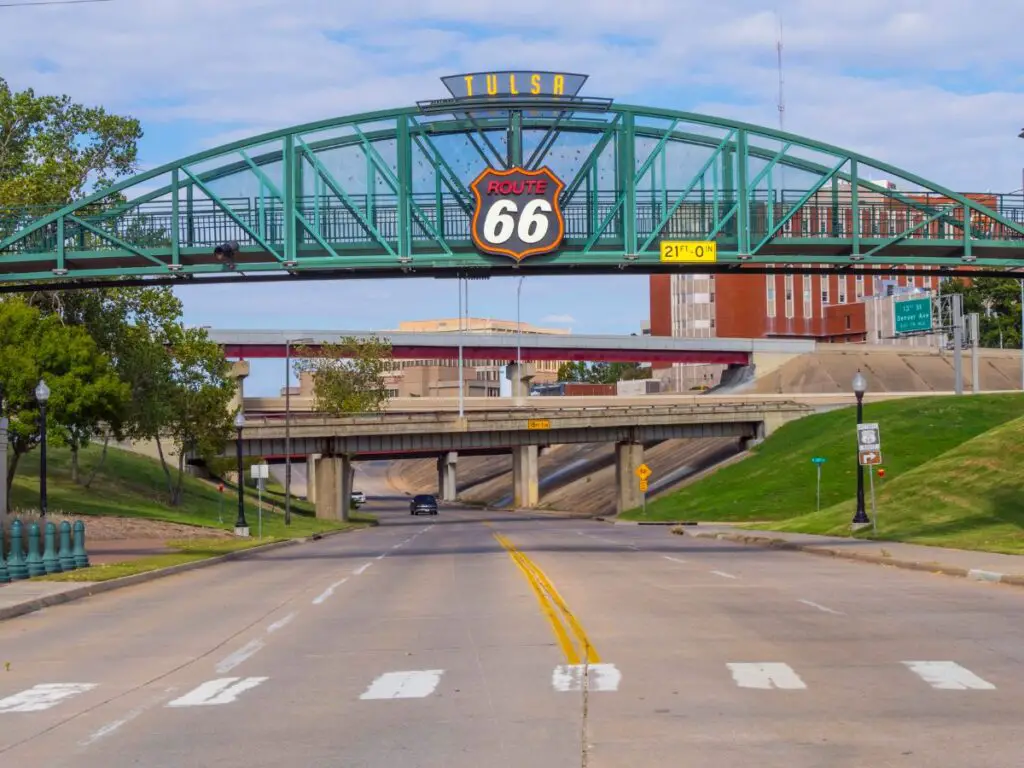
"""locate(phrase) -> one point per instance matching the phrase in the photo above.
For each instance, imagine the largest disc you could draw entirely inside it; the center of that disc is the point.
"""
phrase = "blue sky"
(936, 87)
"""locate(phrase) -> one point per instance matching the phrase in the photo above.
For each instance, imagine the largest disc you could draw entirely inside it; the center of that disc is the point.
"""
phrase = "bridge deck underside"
(465, 441)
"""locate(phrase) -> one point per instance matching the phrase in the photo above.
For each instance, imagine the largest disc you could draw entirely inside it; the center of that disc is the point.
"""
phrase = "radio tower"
(782, 98)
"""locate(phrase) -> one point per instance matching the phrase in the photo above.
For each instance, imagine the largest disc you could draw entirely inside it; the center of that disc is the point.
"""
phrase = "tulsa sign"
(518, 212)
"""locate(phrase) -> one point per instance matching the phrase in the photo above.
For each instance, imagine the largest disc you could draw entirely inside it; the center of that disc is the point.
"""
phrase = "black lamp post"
(241, 526)
(860, 386)
(42, 395)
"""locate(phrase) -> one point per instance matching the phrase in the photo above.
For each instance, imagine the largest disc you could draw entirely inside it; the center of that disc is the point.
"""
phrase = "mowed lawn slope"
(968, 498)
(134, 486)
(777, 482)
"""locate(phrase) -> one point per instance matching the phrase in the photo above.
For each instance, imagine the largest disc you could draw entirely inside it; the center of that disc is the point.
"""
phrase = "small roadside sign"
(870, 458)
(868, 438)
(260, 471)
(643, 486)
(643, 472)
(818, 460)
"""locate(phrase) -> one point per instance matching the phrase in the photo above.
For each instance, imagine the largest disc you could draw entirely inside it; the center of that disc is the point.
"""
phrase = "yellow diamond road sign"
(643, 471)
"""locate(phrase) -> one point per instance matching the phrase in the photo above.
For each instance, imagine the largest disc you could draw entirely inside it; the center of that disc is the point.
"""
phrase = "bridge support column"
(311, 461)
(628, 456)
(446, 474)
(333, 487)
(525, 487)
(239, 372)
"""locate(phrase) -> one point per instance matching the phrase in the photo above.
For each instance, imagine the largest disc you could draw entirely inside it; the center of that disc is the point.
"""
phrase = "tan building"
(483, 377)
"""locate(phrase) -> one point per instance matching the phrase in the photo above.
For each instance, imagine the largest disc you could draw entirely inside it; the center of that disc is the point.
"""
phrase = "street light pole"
(288, 426)
(519, 337)
(241, 526)
(860, 386)
(42, 395)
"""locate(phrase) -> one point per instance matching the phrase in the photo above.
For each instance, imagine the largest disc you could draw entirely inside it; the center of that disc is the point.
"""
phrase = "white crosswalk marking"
(948, 676)
(414, 684)
(600, 677)
(221, 691)
(44, 696)
(765, 676)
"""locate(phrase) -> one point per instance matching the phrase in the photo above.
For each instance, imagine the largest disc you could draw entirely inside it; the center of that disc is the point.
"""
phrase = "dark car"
(423, 505)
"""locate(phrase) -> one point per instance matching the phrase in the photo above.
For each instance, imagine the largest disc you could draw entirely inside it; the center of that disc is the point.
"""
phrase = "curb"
(100, 587)
(974, 574)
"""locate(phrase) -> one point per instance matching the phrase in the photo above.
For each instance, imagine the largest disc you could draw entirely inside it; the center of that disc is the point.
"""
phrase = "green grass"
(778, 481)
(967, 498)
(188, 552)
(130, 485)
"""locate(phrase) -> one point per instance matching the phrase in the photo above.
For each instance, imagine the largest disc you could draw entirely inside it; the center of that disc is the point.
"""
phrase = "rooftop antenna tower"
(782, 97)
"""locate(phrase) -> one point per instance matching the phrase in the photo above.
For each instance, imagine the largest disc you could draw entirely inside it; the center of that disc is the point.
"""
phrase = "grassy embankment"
(134, 487)
(952, 476)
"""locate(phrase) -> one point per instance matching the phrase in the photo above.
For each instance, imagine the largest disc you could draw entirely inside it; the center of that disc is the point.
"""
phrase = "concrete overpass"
(332, 444)
(408, 345)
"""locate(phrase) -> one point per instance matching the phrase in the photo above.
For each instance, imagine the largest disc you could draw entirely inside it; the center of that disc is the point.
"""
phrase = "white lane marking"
(222, 691)
(396, 546)
(820, 607)
(328, 592)
(232, 660)
(765, 676)
(361, 569)
(600, 677)
(948, 676)
(674, 559)
(724, 575)
(43, 696)
(109, 728)
(404, 685)
(280, 623)
(381, 556)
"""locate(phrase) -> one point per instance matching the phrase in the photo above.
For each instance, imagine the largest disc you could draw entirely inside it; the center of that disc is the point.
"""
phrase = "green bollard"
(81, 558)
(50, 561)
(16, 567)
(34, 561)
(64, 555)
(5, 578)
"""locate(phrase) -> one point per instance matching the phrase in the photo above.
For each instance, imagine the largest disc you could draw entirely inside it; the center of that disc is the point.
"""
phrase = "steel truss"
(386, 194)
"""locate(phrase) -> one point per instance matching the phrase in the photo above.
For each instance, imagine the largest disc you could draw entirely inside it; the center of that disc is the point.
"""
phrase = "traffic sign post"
(818, 461)
(869, 453)
(643, 472)
(260, 472)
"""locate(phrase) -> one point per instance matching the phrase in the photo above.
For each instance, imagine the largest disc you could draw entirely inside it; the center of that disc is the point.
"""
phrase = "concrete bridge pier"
(446, 466)
(525, 486)
(311, 461)
(628, 456)
(334, 477)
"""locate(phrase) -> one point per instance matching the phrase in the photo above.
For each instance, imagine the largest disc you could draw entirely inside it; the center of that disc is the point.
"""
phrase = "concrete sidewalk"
(980, 566)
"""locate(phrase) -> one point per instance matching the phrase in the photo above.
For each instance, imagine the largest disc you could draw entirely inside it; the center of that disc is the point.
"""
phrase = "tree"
(84, 389)
(193, 388)
(348, 377)
(997, 302)
(132, 327)
(53, 151)
(601, 373)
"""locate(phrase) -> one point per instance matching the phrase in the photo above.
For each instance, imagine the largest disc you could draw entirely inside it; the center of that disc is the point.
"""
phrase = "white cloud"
(558, 319)
(933, 86)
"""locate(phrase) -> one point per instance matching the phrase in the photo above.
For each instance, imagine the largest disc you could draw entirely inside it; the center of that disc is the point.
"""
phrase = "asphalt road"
(477, 639)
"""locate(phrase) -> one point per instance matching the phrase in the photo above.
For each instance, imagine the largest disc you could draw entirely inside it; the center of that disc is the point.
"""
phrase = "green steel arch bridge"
(388, 193)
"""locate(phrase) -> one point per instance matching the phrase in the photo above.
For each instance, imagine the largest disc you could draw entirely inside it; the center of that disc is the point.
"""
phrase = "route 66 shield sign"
(518, 213)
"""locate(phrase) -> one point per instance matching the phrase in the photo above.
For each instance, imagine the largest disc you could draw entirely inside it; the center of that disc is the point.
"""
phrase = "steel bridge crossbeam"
(116, 235)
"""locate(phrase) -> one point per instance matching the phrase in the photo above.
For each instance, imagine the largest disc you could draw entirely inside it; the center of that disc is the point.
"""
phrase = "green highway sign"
(912, 315)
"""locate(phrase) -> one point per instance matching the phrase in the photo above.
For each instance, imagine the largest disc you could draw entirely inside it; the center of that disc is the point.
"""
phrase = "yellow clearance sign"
(689, 251)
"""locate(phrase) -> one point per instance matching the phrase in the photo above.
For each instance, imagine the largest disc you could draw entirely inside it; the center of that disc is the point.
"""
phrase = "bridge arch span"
(388, 193)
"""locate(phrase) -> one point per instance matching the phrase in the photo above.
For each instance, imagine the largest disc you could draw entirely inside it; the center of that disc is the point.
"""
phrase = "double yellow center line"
(570, 635)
